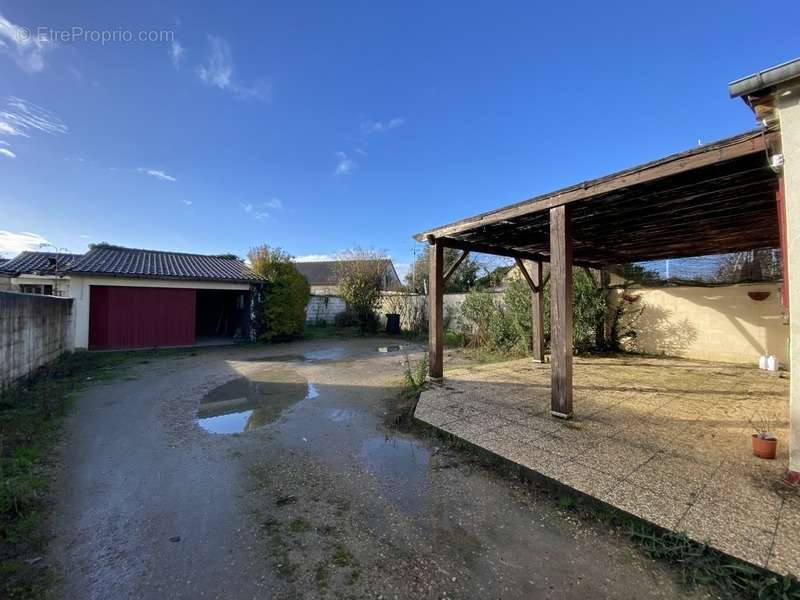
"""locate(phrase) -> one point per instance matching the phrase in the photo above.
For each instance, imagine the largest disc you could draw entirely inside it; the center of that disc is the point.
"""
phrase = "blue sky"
(319, 126)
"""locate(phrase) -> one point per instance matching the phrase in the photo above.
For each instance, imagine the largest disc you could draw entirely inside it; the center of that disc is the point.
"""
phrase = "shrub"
(360, 273)
(504, 325)
(281, 307)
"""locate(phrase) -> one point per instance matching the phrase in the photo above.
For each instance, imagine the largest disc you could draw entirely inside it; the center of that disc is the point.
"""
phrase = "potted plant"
(764, 441)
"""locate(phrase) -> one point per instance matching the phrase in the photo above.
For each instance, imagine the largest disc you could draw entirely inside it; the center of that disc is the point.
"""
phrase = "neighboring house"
(323, 276)
(134, 298)
(37, 273)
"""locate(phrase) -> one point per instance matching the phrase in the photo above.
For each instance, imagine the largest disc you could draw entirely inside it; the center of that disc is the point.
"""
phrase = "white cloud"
(315, 257)
(370, 127)
(158, 174)
(260, 215)
(344, 164)
(12, 244)
(20, 117)
(218, 72)
(177, 54)
(247, 207)
(7, 152)
(84, 236)
(186, 202)
(274, 203)
(23, 46)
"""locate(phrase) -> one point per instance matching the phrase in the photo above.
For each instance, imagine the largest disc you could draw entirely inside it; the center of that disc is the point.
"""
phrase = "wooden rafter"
(524, 270)
(455, 265)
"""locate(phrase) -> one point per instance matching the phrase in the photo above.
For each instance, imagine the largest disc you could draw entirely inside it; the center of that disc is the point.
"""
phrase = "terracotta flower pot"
(764, 448)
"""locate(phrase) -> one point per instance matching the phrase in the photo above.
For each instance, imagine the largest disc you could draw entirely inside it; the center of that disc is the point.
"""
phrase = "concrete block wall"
(34, 330)
(324, 308)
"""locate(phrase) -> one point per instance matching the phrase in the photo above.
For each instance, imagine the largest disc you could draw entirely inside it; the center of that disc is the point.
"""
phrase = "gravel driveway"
(307, 494)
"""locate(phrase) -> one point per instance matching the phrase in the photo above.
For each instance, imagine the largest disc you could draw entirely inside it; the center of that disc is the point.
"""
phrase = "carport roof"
(116, 261)
(715, 198)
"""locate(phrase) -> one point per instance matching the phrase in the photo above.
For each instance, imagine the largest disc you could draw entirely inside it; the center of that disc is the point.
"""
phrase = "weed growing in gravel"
(415, 376)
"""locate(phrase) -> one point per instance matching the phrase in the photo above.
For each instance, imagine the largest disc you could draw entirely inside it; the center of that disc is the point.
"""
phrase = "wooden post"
(537, 314)
(561, 312)
(435, 311)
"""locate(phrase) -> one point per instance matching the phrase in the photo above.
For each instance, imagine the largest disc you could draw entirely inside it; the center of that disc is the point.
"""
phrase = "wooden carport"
(716, 198)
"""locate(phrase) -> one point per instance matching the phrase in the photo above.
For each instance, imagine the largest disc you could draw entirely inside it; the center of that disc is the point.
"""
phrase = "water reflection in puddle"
(327, 354)
(401, 465)
(248, 403)
(391, 348)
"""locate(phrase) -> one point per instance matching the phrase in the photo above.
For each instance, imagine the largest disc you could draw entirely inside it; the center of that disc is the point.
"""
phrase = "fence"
(34, 330)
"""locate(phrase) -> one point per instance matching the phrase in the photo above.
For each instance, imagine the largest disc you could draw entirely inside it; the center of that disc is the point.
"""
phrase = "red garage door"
(140, 317)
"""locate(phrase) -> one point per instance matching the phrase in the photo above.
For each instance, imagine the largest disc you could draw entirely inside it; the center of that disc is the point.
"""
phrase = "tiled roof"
(114, 261)
(38, 263)
(323, 272)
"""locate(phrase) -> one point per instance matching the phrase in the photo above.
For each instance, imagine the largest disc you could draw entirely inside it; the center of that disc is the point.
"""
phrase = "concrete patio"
(666, 440)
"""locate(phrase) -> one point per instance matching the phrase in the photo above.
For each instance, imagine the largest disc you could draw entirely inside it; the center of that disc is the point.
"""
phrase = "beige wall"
(710, 323)
(80, 288)
(789, 114)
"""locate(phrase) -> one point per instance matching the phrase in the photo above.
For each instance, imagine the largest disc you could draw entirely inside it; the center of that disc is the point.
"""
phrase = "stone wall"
(34, 330)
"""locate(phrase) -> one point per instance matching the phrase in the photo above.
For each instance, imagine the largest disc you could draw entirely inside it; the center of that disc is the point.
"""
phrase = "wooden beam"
(499, 250)
(752, 142)
(455, 265)
(537, 312)
(435, 311)
(561, 312)
(526, 275)
(487, 249)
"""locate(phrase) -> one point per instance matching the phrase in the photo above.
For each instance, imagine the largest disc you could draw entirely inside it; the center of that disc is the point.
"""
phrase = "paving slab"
(666, 440)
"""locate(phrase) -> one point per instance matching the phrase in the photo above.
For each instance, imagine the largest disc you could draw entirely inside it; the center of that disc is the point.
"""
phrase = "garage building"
(134, 298)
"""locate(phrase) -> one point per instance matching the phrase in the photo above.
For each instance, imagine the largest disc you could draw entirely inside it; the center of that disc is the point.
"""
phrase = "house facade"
(37, 273)
(323, 276)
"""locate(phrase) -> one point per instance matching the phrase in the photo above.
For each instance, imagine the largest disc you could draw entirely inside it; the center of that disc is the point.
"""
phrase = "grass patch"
(299, 525)
(31, 413)
(341, 556)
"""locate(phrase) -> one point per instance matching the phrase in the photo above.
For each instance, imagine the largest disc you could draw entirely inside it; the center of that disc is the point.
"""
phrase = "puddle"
(341, 415)
(248, 403)
(313, 356)
(402, 467)
(276, 358)
(328, 354)
(392, 348)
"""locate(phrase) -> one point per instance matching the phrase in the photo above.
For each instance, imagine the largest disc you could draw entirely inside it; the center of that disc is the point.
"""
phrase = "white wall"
(80, 288)
(324, 308)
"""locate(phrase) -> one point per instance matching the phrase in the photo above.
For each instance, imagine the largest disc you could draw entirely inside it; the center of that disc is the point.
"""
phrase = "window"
(46, 290)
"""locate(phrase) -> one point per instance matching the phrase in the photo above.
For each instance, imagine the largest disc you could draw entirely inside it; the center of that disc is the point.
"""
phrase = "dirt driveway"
(305, 493)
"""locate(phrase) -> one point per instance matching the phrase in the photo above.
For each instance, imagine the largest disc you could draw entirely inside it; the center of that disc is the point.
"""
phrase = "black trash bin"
(392, 323)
